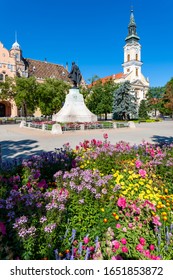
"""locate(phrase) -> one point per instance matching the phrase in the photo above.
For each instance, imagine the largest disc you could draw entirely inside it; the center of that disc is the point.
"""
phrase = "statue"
(75, 75)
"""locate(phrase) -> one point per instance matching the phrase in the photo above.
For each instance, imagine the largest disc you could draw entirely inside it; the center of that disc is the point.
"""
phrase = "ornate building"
(13, 64)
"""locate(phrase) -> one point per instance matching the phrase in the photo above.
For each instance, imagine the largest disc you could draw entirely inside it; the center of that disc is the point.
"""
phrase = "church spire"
(132, 34)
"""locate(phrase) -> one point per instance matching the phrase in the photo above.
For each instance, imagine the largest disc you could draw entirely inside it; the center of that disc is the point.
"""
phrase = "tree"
(52, 95)
(124, 102)
(26, 96)
(7, 88)
(99, 97)
(154, 99)
(142, 112)
(168, 97)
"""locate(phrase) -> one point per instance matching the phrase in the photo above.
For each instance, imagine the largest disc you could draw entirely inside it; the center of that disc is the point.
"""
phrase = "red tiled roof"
(108, 78)
(43, 70)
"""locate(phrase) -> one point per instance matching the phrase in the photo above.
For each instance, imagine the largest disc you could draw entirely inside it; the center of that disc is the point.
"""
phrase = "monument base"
(74, 109)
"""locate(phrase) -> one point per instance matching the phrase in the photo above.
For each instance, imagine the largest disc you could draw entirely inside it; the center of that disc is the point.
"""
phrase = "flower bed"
(70, 125)
(99, 201)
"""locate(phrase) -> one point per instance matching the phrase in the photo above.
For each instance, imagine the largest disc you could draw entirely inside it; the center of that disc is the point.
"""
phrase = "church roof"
(42, 70)
(117, 76)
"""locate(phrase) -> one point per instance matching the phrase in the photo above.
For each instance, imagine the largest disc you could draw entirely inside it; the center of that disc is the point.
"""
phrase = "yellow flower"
(102, 209)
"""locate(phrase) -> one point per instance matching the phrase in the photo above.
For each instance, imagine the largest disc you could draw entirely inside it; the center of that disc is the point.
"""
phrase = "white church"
(132, 66)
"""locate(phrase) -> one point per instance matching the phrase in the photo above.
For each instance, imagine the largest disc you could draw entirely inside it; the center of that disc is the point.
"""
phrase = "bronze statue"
(75, 75)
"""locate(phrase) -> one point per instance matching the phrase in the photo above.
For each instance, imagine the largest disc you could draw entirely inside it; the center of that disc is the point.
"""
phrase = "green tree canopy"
(26, 94)
(168, 97)
(124, 102)
(143, 107)
(52, 95)
(154, 99)
(99, 97)
(7, 88)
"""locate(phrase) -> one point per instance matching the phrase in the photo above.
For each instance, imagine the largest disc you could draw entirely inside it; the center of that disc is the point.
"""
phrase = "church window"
(9, 66)
(136, 71)
(136, 56)
(128, 57)
(128, 69)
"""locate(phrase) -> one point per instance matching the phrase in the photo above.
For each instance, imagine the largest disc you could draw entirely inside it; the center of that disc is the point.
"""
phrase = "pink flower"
(116, 244)
(147, 253)
(151, 247)
(86, 240)
(138, 163)
(2, 228)
(155, 220)
(130, 225)
(143, 173)
(118, 226)
(121, 202)
(105, 136)
(124, 249)
(42, 184)
(123, 241)
(124, 229)
(139, 248)
(142, 241)
(118, 257)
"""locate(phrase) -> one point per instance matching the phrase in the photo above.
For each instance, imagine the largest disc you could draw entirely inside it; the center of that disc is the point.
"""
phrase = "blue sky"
(91, 33)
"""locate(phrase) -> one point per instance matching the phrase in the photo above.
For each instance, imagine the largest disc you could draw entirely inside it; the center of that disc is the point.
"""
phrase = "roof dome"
(16, 46)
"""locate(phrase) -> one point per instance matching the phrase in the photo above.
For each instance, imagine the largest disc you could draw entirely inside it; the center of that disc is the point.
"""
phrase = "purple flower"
(43, 219)
(98, 195)
(104, 191)
(49, 228)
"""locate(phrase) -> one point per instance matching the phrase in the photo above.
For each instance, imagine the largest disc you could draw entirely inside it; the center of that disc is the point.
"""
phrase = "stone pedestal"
(74, 109)
(131, 124)
(23, 123)
(56, 129)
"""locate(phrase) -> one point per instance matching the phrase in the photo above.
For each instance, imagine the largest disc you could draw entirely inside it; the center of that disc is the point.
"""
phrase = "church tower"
(132, 62)
(132, 51)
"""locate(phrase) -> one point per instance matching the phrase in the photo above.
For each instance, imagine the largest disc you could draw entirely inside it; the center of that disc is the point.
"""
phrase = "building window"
(128, 57)
(1, 77)
(9, 66)
(136, 71)
(136, 56)
(0, 65)
(128, 70)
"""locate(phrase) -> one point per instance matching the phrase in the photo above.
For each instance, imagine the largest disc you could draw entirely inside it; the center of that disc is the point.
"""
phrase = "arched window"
(128, 57)
(136, 56)
(136, 71)
(2, 110)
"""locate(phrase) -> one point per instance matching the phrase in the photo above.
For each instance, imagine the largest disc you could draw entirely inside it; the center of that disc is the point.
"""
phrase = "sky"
(92, 33)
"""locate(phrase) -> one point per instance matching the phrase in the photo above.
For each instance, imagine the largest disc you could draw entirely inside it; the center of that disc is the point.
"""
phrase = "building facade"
(13, 64)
